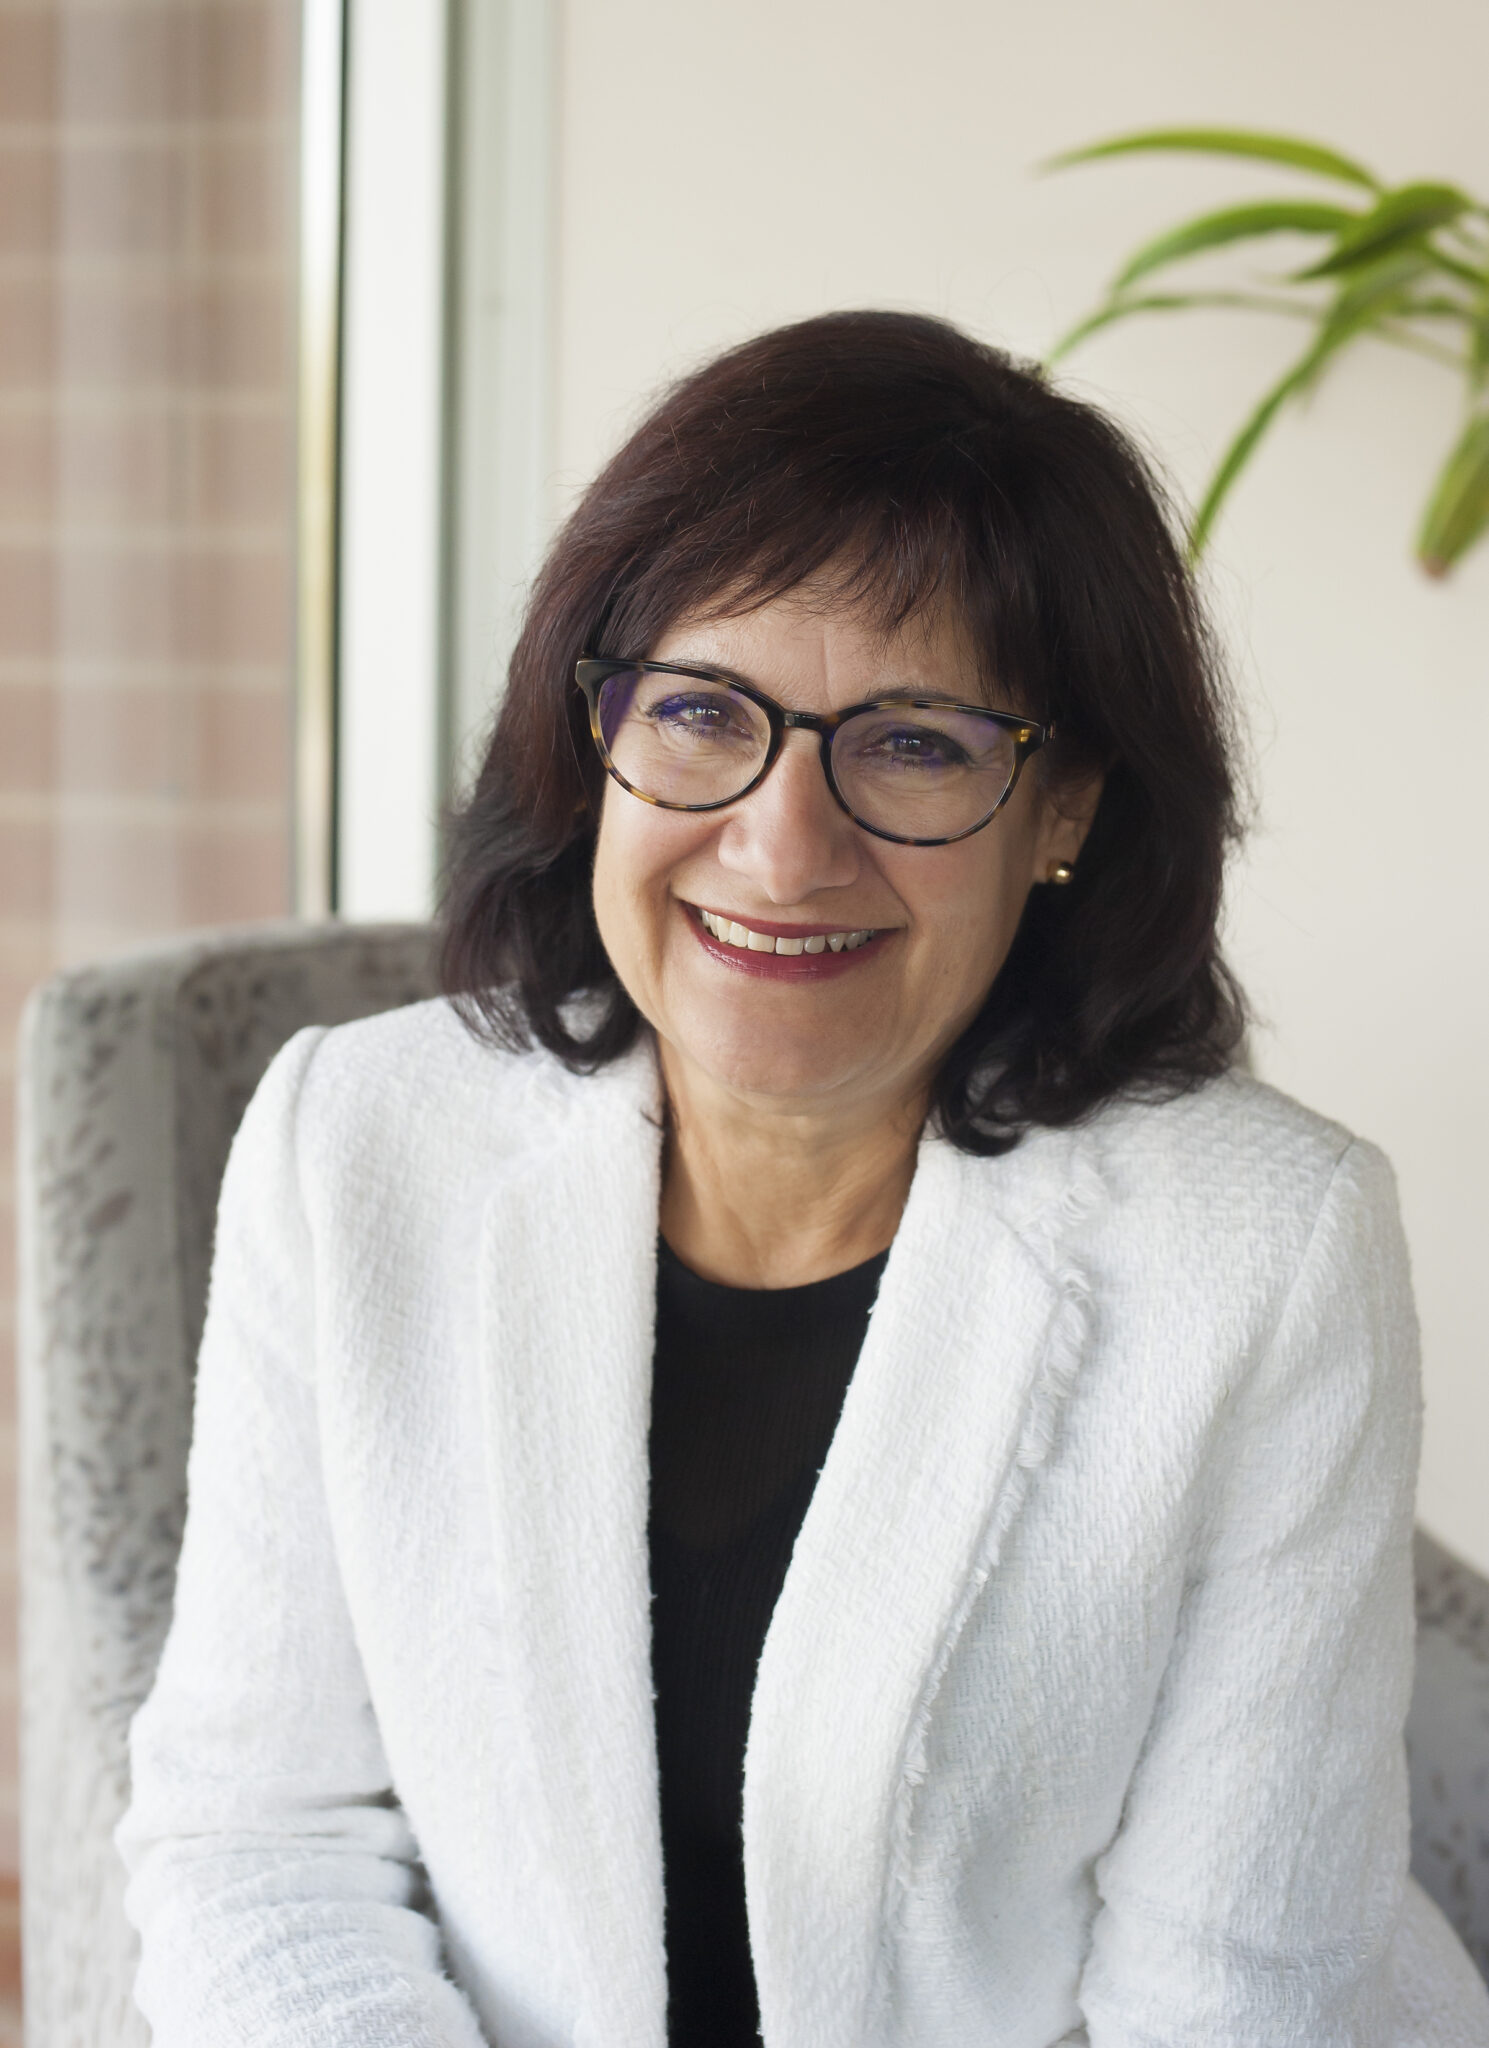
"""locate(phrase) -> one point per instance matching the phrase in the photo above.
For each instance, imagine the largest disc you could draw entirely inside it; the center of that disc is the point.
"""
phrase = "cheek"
(968, 902)
(970, 891)
(616, 908)
(637, 851)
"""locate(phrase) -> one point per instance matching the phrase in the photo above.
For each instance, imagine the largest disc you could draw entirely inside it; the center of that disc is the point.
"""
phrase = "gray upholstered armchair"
(134, 1077)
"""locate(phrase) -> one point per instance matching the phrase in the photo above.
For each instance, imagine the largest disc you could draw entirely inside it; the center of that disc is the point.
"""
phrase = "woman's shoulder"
(1234, 1118)
(1234, 1166)
(412, 1046)
(420, 1080)
(431, 1032)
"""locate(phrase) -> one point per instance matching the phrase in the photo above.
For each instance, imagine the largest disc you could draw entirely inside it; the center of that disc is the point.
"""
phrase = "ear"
(1066, 811)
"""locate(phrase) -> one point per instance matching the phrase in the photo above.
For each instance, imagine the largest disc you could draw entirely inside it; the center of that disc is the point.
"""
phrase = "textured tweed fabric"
(1080, 1715)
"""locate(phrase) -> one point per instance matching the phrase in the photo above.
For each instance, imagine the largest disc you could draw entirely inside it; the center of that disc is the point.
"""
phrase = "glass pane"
(146, 498)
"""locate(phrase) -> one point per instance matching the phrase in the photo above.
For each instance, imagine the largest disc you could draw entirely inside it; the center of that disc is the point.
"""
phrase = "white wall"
(723, 168)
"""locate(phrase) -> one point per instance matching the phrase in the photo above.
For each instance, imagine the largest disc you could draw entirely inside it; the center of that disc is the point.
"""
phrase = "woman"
(833, 929)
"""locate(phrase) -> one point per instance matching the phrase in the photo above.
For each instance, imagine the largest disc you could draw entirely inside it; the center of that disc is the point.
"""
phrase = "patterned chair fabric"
(1447, 1743)
(134, 1076)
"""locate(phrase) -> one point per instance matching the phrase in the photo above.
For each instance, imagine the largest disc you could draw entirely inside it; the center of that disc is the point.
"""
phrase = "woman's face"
(862, 1028)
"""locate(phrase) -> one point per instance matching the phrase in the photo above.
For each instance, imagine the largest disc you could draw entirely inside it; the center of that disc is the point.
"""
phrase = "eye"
(689, 710)
(700, 714)
(920, 744)
(908, 744)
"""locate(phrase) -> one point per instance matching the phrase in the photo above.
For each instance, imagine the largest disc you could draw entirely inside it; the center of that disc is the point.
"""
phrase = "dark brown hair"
(909, 463)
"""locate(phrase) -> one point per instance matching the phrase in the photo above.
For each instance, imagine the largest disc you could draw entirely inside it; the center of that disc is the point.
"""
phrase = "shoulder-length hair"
(911, 464)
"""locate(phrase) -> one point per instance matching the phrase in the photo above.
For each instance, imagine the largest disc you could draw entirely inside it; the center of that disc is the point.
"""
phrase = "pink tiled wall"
(147, 158)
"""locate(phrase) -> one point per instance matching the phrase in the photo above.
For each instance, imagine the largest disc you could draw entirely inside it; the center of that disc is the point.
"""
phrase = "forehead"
(815, 653)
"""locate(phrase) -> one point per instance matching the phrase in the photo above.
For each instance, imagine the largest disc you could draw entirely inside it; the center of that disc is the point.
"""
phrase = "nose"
(788, 837)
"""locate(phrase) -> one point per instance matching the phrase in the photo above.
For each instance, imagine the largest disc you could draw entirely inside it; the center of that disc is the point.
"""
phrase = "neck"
(766, 1194)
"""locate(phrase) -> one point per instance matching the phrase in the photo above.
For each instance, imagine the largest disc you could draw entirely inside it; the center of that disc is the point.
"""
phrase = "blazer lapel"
(976, 1334)
(568, 1288)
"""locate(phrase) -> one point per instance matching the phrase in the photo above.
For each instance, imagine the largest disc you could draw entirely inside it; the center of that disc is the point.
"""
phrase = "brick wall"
(147, 161)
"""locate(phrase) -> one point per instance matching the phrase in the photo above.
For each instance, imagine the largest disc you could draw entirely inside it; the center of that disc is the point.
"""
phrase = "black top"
(747, 1387)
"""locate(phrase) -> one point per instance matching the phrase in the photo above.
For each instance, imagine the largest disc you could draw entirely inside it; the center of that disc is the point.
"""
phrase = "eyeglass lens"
(915, 773)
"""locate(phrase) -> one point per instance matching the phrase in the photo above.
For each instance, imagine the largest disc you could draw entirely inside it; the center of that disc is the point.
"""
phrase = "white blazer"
(1079, 1718)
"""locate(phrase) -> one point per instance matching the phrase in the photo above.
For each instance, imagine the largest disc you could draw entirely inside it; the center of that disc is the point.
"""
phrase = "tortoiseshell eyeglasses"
(916, 770)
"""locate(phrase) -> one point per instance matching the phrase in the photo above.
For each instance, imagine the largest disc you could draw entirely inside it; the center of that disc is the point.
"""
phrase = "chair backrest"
(1447, 1744)
(133, 1078)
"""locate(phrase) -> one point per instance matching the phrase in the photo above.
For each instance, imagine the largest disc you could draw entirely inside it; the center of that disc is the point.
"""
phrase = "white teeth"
(735, 934)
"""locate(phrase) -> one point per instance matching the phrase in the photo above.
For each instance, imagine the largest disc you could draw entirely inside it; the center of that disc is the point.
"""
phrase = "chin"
(762, 1063)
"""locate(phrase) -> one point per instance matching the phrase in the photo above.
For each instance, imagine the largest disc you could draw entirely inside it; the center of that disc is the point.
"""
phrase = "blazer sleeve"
(273, 1879)
(1255, 1885)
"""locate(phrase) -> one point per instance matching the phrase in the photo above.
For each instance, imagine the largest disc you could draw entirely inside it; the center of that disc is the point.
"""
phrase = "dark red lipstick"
(803, 966)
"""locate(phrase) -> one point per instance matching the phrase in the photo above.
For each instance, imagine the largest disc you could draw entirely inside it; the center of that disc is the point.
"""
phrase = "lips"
(784, 952)
(785, 942)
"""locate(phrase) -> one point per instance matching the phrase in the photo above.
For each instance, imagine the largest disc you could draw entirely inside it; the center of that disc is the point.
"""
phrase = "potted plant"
(1407, 265)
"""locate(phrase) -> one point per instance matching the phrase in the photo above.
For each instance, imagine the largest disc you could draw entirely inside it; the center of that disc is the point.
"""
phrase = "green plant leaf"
(1338, 328)
(1478, 345)
(1418, 256)
(1398, 332)
(1179, 302)
(1275, 149)
(1404, 216)
(1478, 342)
(1475, 276)
(1114, 310)
(1430, 308)
(1234, 224)
(1457, 513)
(1239, 454)
(1381, 292)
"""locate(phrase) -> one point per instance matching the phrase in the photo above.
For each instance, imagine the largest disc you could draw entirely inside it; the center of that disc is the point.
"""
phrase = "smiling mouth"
(730, 932)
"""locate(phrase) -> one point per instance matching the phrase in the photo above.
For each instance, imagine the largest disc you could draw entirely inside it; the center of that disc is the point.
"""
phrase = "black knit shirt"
(747, 1387)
